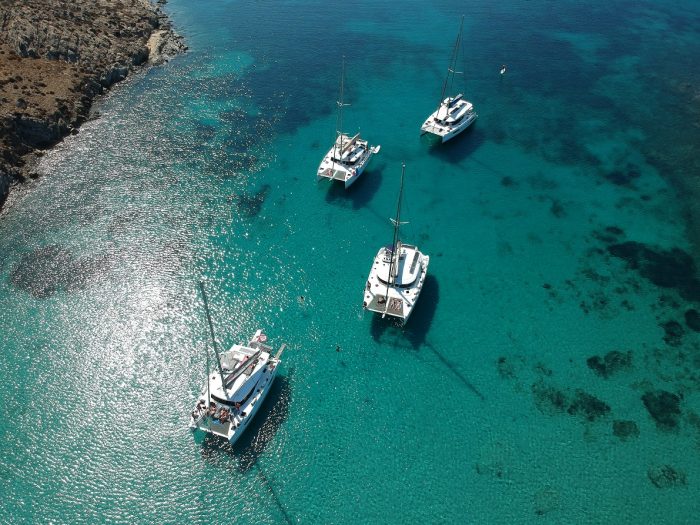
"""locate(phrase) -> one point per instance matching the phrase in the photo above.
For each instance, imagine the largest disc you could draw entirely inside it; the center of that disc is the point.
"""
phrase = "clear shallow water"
(477, 411)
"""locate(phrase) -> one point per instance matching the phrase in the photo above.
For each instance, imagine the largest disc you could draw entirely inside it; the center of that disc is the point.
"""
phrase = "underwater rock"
(673, 333)
(508, 182)
(241, 161)
(250, 205)
(614, 230)
(623, 177)
(613, 362)
(666, 476)
(203, 132)
(545, 501)
(548, 399)
(665, 268)
(692, 319)
(664, 408)
(46, 270)
(557, 209)
(609, 235)
(505, 368)
(625, 429)
(41, 272)
(588, 406)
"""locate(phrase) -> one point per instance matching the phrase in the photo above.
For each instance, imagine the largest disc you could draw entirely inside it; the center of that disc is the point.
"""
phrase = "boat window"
(231, 403)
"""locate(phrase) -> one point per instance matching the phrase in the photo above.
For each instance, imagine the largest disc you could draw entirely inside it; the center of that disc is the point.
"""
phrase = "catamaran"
(236, 388)
(349, 155)
(397, 275)
(454, 114)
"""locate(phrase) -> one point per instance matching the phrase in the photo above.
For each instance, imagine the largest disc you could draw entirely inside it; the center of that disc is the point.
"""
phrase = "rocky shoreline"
(56, 57)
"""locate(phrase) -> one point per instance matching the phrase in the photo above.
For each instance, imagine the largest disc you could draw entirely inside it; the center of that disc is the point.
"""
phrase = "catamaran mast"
(213, 338)
(339, 117)
(396, 246)
(452, 69)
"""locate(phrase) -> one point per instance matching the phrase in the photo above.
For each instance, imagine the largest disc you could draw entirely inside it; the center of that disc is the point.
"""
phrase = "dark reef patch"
(250, 205)
(241, 161)
(613, 362)
(615, 230)
(505, 368)
(610, 235)
(508, 182)
(692, 319)
(551, 400)
(664, 407)
(624, 176)
(665, 268)
(202, 132)
(46, 270)
(546, 501)
(587, 405)
(665, 477)
(548, 399)
(598, 303)
(673, 333)
(625, 429)
(557, 209)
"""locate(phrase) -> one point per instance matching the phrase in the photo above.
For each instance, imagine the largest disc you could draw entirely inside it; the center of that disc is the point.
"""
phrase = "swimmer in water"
(503, 69)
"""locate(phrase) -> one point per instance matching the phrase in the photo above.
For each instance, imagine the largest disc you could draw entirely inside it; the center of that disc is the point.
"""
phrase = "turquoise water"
(486, 407)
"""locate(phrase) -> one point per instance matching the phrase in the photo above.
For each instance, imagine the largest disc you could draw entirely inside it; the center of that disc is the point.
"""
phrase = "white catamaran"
(397, 275)
(236, 388)
(454, 114)
(348, 157)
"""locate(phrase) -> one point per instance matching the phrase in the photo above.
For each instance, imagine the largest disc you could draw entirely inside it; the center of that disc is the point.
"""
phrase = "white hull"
(396, 297)
(452, 117)
(345, 163)
(227, 412)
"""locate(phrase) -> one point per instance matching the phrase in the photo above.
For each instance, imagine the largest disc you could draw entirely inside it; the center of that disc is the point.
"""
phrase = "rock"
(4, 186)
(56, 57)
(39, 133)
(665, 477)
(664, 408)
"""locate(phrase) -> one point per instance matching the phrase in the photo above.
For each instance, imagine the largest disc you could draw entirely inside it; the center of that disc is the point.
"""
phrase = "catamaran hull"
(444, 133)
(242, 423)
(399, 302)
(347, 174)
(463, 127)
(254, 409)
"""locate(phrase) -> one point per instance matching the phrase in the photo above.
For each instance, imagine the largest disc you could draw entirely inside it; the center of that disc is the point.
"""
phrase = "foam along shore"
(56, 56)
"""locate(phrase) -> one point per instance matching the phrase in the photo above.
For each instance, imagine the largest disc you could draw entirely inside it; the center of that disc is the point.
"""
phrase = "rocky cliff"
(56, 56)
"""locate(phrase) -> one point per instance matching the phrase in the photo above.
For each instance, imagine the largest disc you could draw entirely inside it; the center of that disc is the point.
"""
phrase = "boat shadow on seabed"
(418, 325)
(362, 190)
(458, 148)
(252, 443)
(416, 330)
